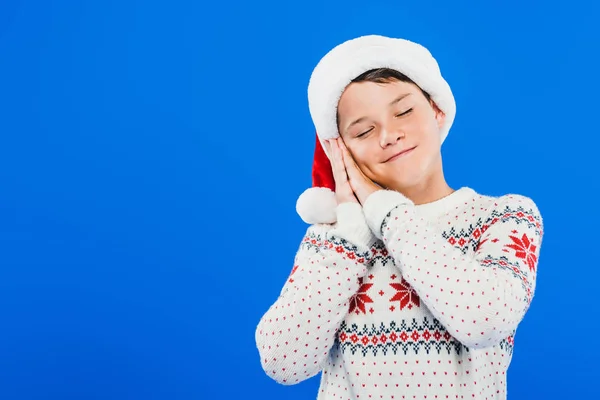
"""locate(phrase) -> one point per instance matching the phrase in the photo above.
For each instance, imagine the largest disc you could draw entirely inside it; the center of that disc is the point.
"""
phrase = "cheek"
(360, 155)
(365, 157)
(425, 131)
(422, 124)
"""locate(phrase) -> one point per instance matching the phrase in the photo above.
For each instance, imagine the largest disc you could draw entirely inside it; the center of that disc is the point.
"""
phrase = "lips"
(400, 154)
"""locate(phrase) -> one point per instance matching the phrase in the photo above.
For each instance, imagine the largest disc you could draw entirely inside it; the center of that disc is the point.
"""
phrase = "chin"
(399, 177)
(404, 182)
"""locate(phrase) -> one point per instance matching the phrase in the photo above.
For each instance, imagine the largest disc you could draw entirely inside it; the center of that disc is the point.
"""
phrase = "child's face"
(379, 120)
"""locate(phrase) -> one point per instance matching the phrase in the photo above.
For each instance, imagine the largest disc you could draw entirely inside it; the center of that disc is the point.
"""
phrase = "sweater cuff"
(379, 204)
(352, 225)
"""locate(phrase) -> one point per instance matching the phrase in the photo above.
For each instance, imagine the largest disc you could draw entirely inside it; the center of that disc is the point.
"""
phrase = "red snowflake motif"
(405, 294)
(480, 243)
(525, 249)
(292, 273)
(357, 302)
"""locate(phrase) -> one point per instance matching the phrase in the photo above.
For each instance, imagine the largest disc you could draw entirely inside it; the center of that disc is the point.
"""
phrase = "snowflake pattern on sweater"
(427, 309)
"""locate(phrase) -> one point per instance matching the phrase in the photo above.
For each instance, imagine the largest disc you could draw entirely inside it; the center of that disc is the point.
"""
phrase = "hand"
(361, 185)
(343, 190)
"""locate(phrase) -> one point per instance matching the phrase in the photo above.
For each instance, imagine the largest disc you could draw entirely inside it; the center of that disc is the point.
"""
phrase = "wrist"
(378, 205)
(352, 225)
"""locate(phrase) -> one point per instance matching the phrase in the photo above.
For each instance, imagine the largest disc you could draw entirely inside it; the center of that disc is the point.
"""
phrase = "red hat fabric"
(317, 204)
(322, 173)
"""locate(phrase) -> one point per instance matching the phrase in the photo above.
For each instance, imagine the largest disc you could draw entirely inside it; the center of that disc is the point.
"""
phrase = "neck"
(428, 190)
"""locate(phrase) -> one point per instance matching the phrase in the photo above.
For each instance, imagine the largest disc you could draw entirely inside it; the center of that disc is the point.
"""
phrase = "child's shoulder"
(509, 203)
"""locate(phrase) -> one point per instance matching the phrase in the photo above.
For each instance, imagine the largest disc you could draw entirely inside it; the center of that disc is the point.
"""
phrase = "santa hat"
(334, 72)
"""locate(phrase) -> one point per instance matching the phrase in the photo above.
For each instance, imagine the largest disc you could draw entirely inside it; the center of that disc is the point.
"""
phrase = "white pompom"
(317, 205)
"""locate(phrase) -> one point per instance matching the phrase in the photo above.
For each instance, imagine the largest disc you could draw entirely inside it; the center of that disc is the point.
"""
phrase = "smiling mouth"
(401, 154)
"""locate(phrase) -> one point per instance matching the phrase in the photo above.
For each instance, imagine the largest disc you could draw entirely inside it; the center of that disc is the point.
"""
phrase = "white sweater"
(427, 308)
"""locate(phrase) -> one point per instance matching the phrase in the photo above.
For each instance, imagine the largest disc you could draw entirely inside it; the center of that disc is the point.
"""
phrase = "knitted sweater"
(404, 301)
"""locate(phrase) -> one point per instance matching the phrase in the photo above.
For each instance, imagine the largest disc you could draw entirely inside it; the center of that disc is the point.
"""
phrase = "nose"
(390, 136)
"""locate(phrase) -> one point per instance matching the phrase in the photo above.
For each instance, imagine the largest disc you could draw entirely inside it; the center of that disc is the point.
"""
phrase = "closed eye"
(404, 113)
(364, 133)
(397, 115)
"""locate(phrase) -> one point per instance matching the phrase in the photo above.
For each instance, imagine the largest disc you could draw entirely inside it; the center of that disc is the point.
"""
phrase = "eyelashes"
(364, 133)
(402, 114)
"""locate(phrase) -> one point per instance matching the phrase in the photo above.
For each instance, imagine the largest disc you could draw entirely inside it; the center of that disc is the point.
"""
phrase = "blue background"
(151, 154)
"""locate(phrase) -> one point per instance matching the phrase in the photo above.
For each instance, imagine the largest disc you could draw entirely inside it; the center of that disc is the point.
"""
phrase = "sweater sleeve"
(295, 335)
(479, 298)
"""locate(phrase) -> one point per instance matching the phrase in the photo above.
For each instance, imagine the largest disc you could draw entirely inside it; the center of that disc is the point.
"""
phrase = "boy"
(402, 288)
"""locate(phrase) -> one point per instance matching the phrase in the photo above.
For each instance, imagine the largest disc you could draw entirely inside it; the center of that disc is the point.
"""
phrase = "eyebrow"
(399, 98)
(393, 102)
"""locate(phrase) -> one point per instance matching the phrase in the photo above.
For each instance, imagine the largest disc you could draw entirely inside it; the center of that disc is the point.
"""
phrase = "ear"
(440, 117)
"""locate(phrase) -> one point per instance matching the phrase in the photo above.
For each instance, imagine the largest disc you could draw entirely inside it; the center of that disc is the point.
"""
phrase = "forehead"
(359, 96)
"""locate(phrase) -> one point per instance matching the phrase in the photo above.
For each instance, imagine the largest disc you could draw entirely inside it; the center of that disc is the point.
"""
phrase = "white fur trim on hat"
(317, 205)
(342, 64)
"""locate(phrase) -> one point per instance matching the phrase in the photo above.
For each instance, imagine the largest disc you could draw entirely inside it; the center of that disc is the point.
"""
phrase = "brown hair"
(386, 75)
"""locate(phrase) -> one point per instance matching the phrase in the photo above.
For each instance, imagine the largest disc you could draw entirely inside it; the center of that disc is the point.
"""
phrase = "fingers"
(344, 192)
(352, 171)
(346, 157)
(337, 163)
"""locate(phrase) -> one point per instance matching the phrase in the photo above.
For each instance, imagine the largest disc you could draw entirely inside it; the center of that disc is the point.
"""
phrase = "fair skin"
(378, 121)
